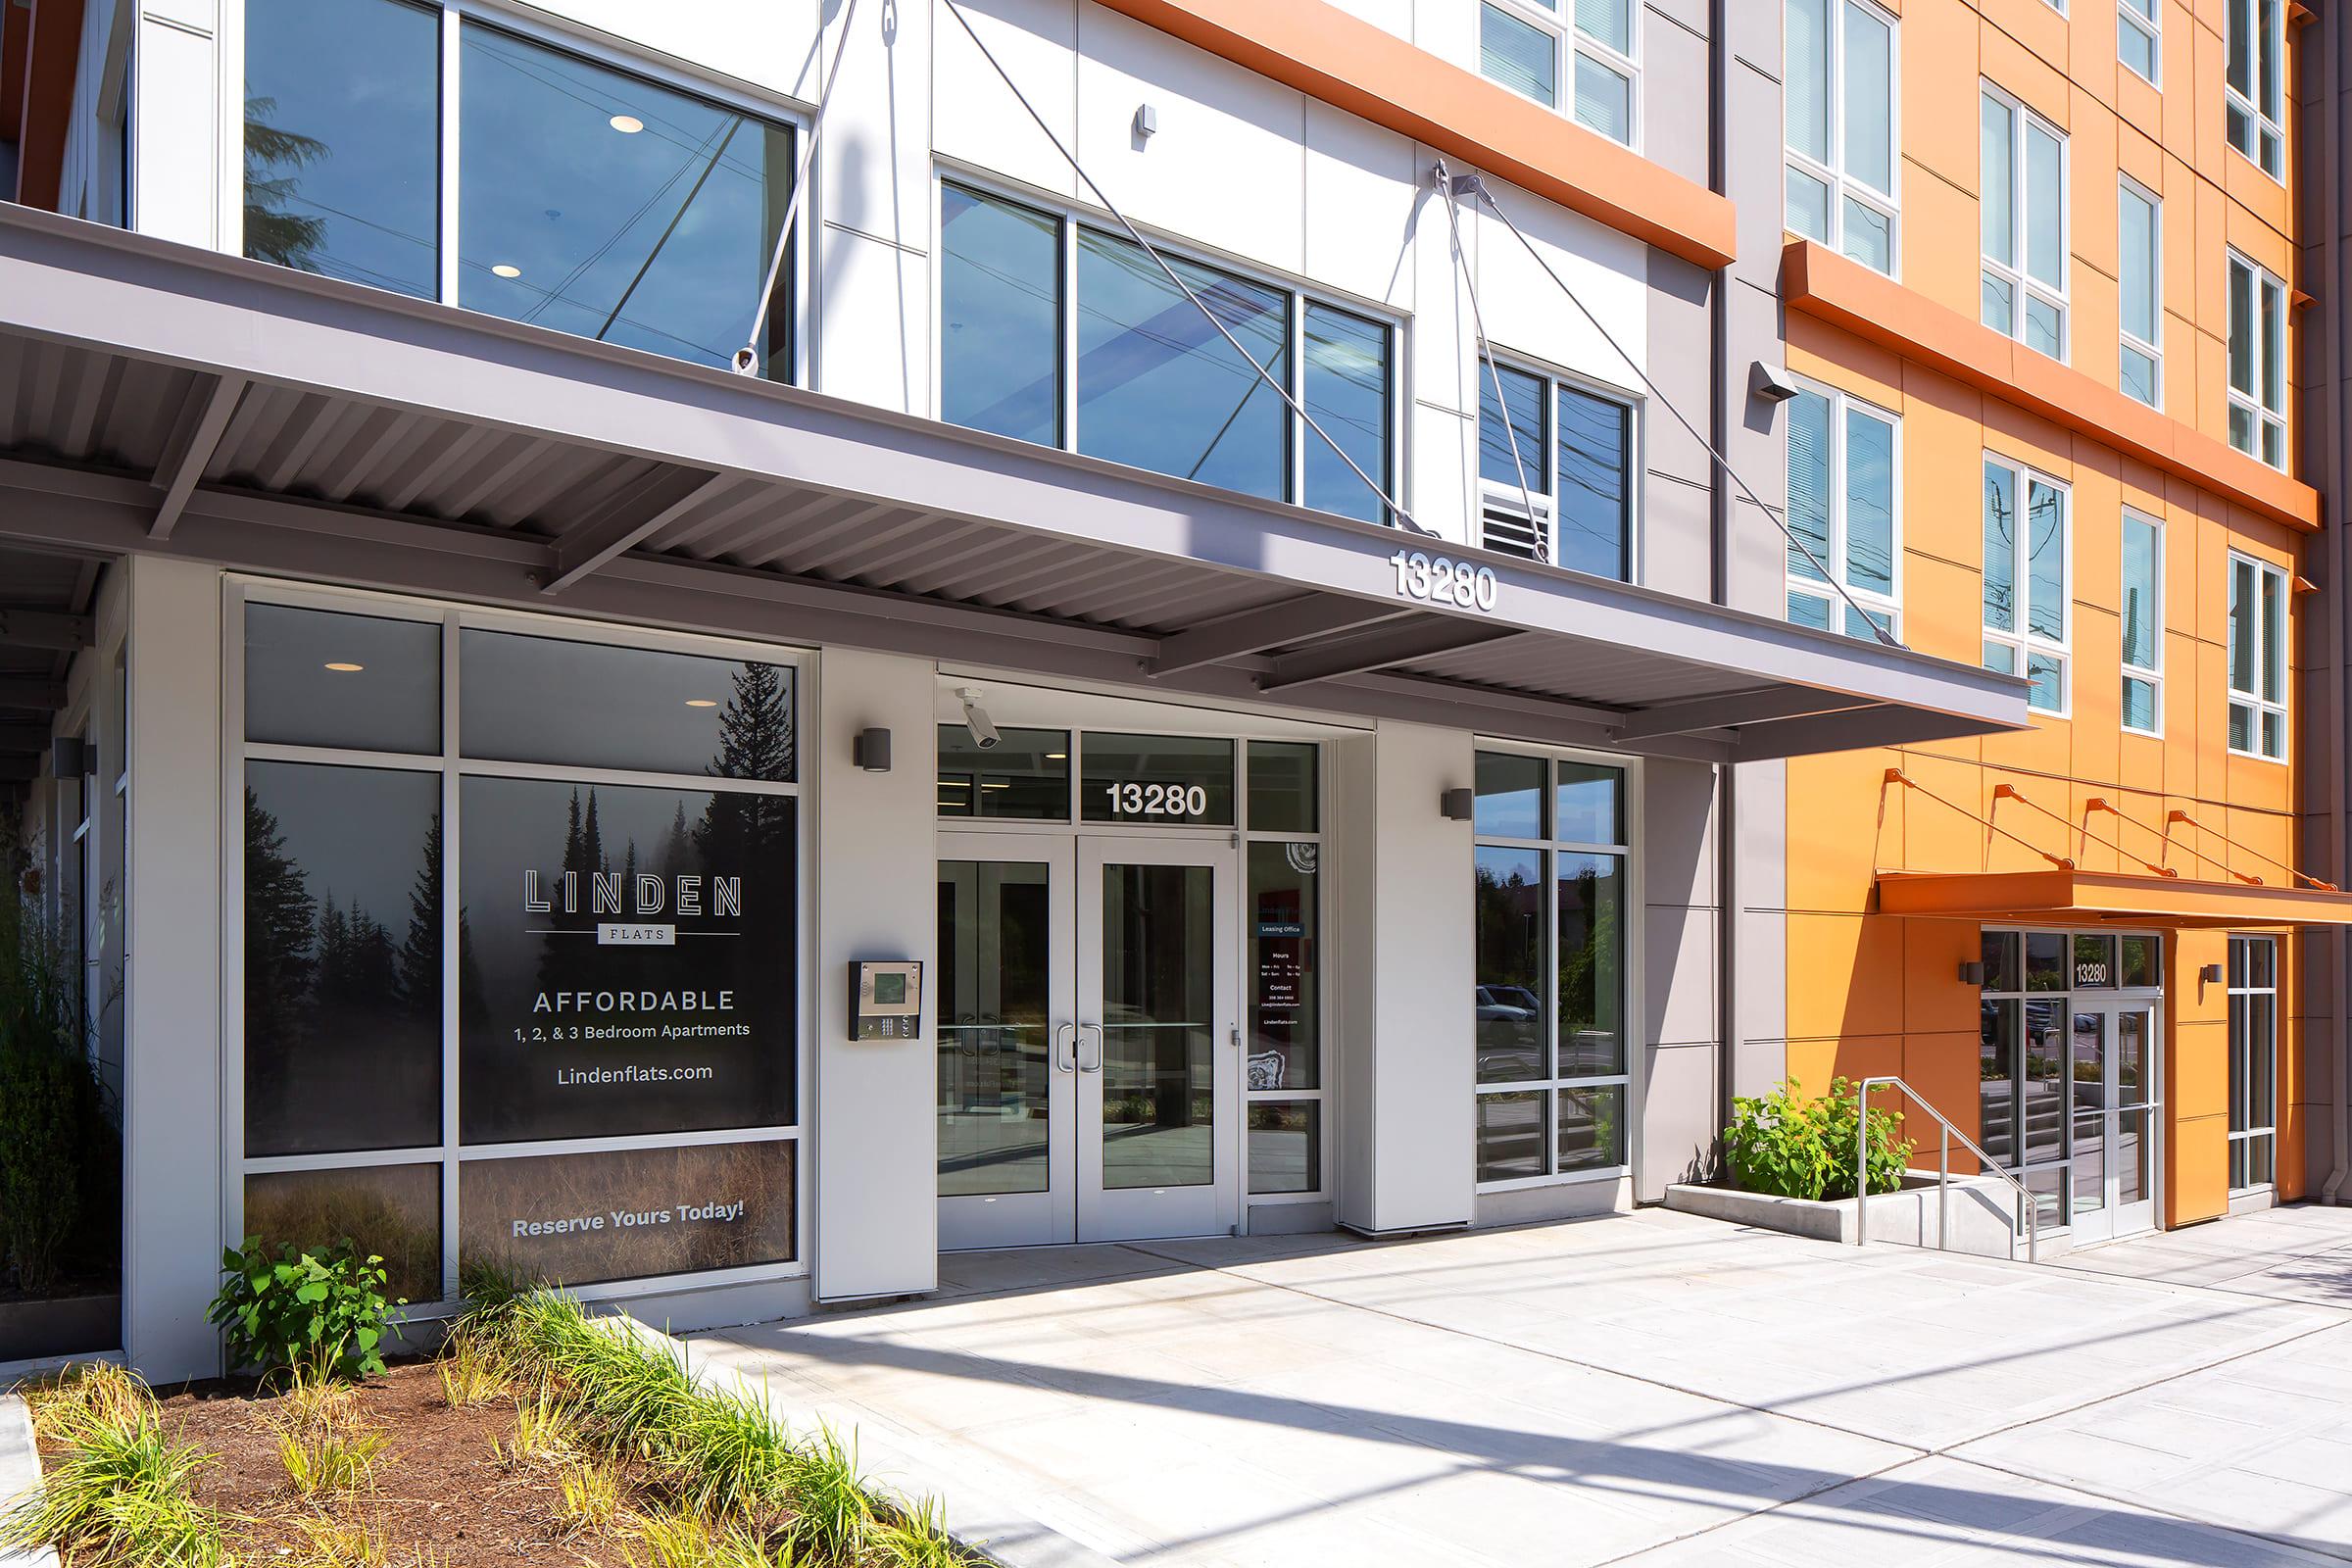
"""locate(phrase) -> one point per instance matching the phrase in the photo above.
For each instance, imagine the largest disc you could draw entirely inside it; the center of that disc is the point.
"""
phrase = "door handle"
(1065, 1048)
(1097, 1063)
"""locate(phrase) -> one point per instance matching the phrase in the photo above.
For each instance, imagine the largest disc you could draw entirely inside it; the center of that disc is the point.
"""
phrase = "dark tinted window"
(1026, 775)
(1285, 990)
(343, 141)
(1510, 795)
(577, 1219)
(1589, 805)
(1285, 1146)
(629, 961)
(391, 1211)
(342, 958)
(1157, 779)
(586, 705)
(595, 202)
(361, 682)
(1283, 786)
(1596, 449)
(1509, 990)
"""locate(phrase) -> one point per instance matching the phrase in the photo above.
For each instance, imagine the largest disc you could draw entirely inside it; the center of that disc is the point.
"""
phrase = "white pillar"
(171, 993)
(1406, 980)
(873, 1127)
(187, 174)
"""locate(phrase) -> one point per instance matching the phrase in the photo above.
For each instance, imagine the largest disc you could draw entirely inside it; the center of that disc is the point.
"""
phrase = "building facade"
(707, 652)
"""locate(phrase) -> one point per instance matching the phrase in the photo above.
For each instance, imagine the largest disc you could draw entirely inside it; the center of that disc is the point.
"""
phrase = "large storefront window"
(2253, 1063)
(1553, 1064)
(519, 947)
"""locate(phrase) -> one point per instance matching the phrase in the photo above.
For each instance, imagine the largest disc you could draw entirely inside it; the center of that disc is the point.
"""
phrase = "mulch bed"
(443, 1495)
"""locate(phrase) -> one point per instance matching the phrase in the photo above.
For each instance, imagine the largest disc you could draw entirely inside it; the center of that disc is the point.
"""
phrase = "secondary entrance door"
(1088, 1080)
(2115, 1120)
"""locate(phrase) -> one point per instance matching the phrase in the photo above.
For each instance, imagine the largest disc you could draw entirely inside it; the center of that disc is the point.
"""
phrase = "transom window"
(2139, 36)
(2139, 244)
(1585, 51)
(1573, 450)
(2253, 1061)
(2143, 625)
(2022, 212)
(1058, 332)
(2257, 361)
(588, 199)
(1842, 508)
(2257, 657)
(1553, 849)
(1840, 119)
(2026, 620)
(2253, 92)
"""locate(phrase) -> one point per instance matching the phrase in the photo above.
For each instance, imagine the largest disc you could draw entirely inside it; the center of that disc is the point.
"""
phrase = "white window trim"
(452, 1152)
(1504, 494)
(1890, 203)
(2153, 672)
(2020, 639)
(2253, 699)
(1570, 40)
(2022, 283)
(2267, 1130)
(1890, 602)
(2154, 351)
(2263, 280)
(2127, 16)
(1070, 218)
(1635, 1023)
(2262, 44)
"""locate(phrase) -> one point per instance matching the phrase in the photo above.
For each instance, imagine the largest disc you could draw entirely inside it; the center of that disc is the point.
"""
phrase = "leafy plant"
(326, 1463)
(318, 1314)
(59, 1153)
(1790, 1146)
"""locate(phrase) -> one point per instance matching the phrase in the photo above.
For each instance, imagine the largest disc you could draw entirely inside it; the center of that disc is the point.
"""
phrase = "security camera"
(976, 719)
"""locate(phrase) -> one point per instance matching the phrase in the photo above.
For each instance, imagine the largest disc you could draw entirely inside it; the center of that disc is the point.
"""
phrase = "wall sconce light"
(2210, 975)
(1769, 383)
(1972, 973)
(1146, 123)
(871, 749)
(1458, 805)
(72, 756)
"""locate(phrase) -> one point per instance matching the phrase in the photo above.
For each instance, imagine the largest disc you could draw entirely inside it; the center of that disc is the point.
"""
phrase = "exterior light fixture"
(1146, 122)
(1057, 756)
(871, 749)
(503, 270)
(344, 666)
(1972, 974)
(1769, 383)
(2210, 974)
(72, 756)
(626, 125)
(701, 701)
(1458, 805)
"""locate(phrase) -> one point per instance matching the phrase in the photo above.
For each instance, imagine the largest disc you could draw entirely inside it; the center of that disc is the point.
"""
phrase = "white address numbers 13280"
(1441, 581)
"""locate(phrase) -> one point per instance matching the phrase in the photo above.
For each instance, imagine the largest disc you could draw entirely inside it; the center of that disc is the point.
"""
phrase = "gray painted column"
(1404, 1061)
(872, 1161)
(172, 1167)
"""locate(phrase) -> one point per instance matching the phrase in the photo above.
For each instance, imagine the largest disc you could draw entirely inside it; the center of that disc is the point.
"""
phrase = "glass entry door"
(1089, 1079)
(1159, 1046)
(1007, 1040)
(2114, 1115)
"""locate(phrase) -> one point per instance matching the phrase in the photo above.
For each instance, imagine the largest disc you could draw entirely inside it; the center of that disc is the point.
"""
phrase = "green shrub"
(59, 1155)
(1792, 1147)
(316, 1314)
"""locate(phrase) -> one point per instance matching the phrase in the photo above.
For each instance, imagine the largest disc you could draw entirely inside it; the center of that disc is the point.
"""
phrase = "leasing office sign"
(627, 960)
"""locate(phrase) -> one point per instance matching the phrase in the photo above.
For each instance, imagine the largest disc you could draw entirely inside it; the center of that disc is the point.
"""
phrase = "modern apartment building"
(2044, 312)
(708, 650)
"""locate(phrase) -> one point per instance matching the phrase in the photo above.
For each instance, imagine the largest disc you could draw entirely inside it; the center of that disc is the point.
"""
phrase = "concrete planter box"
(60, 1326)
(1980, 1211)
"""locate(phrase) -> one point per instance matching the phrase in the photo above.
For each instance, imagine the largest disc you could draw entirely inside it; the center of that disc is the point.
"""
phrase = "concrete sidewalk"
(1654, 1388)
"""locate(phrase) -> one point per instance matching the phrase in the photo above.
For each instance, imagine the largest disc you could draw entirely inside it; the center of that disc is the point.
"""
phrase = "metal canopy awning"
(161, 398)
(2073, 897)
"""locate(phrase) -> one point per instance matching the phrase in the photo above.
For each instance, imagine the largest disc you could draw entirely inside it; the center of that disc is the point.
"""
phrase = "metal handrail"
(1943, 1174)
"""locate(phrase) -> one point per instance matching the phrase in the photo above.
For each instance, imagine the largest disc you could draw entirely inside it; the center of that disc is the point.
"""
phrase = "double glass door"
(2112, 1107)
(1088, 1082)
